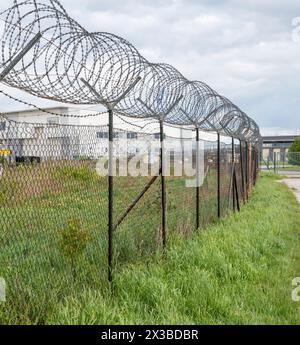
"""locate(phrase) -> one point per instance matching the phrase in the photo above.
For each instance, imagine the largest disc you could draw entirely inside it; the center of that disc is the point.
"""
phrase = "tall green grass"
(39, 201)
(238, 271)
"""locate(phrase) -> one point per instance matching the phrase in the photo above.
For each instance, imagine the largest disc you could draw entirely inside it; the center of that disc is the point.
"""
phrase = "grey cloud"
(243, 49)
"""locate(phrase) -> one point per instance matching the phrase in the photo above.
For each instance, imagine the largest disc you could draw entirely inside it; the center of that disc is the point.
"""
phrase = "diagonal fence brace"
(136, 200)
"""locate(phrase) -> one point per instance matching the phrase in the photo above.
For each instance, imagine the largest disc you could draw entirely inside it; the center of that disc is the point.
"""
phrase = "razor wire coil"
(68, 53)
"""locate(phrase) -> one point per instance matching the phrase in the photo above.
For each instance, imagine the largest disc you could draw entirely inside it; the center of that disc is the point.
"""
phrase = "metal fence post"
(163, 185)
(254, 166)
(197, 181)
(257, 164)
(110, 193)
(162, 167)
(246, 169)
(255, 172)
(250, 168)
(233, 167)
(110, 106)
(197, 168)
(219, 177)
(242, 170)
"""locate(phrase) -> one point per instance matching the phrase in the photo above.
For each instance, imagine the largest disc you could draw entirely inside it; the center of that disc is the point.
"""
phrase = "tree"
(294, 152)
(295, 147)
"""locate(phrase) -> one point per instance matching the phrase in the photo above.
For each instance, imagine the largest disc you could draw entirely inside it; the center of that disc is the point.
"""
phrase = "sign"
(5, 152)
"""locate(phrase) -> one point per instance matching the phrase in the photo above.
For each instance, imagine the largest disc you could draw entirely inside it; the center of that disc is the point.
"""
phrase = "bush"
(73, 242)
(293, 158)
(294, 152)
(295, 147)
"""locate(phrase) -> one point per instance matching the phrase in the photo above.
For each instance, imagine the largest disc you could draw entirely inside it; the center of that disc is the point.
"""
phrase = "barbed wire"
(43, 110)
(67, 54)
(47, 111)
(27, 125)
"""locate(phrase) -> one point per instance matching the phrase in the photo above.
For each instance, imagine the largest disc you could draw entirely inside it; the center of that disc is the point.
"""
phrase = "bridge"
(277, 144)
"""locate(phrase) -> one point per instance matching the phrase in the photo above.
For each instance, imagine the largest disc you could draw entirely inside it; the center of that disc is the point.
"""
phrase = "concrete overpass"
(278, 144)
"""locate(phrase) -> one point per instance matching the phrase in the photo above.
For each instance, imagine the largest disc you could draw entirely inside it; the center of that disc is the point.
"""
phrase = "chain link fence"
(282, 162)
(54, 213)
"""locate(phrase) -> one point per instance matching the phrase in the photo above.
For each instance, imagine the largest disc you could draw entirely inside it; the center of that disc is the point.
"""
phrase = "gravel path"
(294, 184)
(289, 173)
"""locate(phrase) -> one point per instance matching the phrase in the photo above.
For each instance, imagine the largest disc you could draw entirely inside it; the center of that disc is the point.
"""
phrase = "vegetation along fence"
(282, 161)
(68, 203)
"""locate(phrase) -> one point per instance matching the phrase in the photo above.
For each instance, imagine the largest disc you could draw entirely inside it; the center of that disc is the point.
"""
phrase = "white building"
(52, 134)
(32, 133)
(45, 135)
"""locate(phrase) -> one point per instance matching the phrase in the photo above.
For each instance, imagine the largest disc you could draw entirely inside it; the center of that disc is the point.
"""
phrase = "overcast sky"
(241, 48)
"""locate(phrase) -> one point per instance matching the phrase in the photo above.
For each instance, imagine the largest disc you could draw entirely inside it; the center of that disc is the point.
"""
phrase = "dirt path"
(295, 173)
(294, 184)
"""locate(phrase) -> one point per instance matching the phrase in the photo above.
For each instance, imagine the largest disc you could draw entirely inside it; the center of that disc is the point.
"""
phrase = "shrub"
(73, 242)
(294, 152)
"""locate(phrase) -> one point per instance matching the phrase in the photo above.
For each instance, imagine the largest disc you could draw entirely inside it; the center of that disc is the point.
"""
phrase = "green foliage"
(2, 160)
(83, 158)
(238, 271)
(295, 147)
(82, 174)
(294, 152)
(294, 158)
(73, 242)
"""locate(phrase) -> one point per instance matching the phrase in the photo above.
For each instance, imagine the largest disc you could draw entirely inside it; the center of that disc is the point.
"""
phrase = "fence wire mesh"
(60, 215)
(54, 213)
(281, 161)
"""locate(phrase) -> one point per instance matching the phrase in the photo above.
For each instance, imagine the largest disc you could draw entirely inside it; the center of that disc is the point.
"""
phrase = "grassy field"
(238, 271)
(38, 202)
